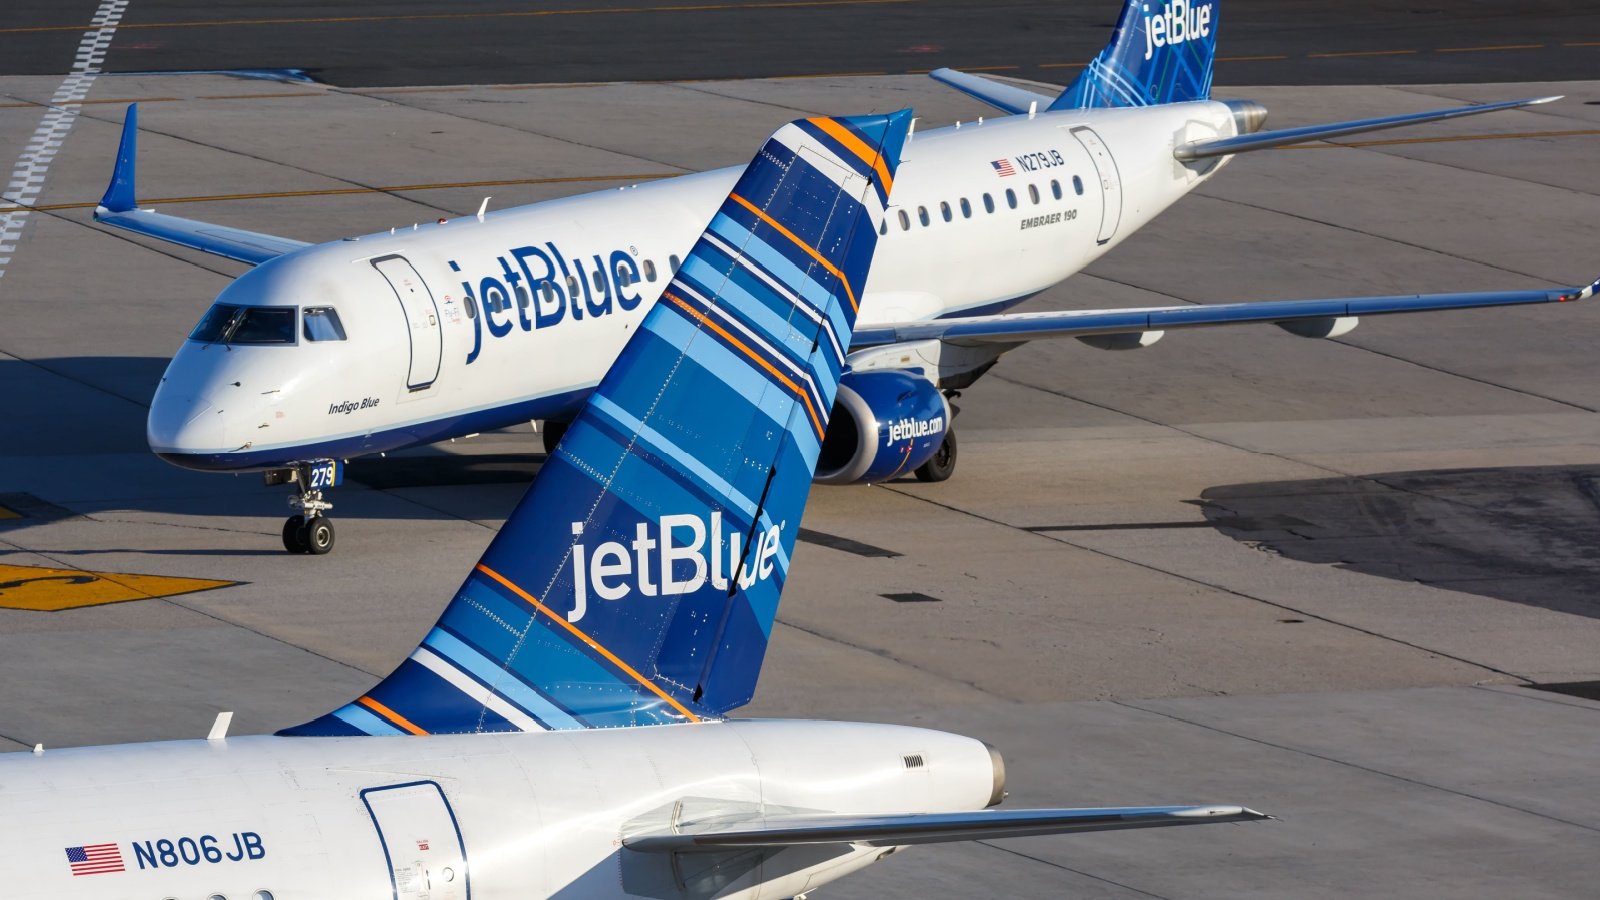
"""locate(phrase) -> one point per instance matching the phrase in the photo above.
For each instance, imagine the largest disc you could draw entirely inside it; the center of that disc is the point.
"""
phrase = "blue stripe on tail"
(638, 580)
(1161, 52)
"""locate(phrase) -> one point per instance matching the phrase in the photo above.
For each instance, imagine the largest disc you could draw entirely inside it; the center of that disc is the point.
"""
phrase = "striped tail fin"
(1160, 52)
(638, 580)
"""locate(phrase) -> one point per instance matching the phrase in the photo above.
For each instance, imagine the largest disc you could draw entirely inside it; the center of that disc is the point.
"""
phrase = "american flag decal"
(95, 859)
(1003, 168)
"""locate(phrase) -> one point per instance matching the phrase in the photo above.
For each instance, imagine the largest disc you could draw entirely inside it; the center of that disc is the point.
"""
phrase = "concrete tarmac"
(1321, 578)
(410, 42)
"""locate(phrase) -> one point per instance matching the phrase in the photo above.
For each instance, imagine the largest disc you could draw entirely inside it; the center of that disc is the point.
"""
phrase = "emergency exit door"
(421, 841)
(1110, 181)
(422, 319)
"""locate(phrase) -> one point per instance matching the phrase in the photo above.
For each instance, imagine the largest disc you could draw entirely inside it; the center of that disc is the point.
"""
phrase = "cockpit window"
(246, 325)
(321, 323)
(263, 325)
(214, 324)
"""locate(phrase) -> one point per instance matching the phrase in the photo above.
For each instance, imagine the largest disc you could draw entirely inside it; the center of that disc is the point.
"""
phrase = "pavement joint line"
(885, 654)
(1066, 868)
(1531, 692)
(1353, 765)
(380, 189)
(519, 14)
(64, 564)
(1398, 240)
(568, 141)
(1151, 567)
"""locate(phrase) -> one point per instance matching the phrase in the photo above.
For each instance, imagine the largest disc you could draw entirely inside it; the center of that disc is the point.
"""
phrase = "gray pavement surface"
(410, 42)
(1318, 578)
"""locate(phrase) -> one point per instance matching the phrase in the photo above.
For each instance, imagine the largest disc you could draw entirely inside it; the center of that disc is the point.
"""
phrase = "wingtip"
(120, 195)
(1537, 101)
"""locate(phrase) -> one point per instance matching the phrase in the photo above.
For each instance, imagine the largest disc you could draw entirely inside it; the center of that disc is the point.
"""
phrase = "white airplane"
(560, 732)
(407, 337)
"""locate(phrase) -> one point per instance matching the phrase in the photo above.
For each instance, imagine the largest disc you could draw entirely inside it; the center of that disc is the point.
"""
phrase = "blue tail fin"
(638, 580)
(1161, 52)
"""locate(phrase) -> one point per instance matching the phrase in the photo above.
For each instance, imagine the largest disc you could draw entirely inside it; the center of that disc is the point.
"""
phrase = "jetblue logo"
(539, 287)
(676, 555)
(910, 429)
(1177, 22)
(167, 853)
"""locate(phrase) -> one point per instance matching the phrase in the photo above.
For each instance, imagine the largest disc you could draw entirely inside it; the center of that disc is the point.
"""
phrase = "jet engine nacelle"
(885, 423)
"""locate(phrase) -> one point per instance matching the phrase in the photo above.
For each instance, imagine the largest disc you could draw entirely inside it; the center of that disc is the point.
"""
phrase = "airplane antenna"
(38, 749)
(1033, 109)
(980, 120)
(483, 207)
(219, 728)
(911, 131)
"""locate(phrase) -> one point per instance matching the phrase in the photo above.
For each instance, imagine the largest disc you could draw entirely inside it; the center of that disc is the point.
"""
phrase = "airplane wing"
(119, 209)
(926, 828)
(998, 94)
(1263, 140)
(1310, 318)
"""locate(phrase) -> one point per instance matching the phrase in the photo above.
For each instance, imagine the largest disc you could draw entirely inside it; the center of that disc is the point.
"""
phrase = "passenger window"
(883, 227)
(673, 263)
(905, 221)
(547, 291)
(922, 215)
(1055, 188)
(522, 297)
(263, 895)
(263, 325)
(1033, 194)
(966, 209)
(599, 282)
(321, 323)
(988, 203)
(1011, 198)
(1077, 185)
(471, 306)
(624, 277)
(573, 286)
(944, 210)
(649, 270)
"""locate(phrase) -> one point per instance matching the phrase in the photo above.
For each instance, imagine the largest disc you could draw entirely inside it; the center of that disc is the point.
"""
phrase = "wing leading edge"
(927, 828)
(119, 209)
(1017, 328)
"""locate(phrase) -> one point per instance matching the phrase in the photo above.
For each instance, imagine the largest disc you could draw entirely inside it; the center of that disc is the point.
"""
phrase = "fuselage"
(451, 817)
(448, 329)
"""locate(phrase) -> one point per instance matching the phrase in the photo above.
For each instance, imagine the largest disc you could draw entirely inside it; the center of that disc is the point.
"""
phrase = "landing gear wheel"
(318, 535)
(943, 463)
(294, 534)
(552, 435)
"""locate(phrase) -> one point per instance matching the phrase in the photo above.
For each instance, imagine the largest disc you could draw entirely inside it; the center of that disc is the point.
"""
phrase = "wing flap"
(1002, 96)
(119, 209)
(1018, 328)
(1262, 140)
(930, 828)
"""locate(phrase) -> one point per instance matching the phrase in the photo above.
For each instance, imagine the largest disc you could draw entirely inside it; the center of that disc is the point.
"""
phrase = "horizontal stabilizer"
(119, 209)
(997, 94)
(1017, 328)
(928, 828)
(1263, 140)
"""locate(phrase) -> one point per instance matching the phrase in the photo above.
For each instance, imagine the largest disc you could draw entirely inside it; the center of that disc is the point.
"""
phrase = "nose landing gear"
(308, 531)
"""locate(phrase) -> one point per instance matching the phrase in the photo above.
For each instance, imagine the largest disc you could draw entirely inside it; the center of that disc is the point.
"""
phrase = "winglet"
(119, 193)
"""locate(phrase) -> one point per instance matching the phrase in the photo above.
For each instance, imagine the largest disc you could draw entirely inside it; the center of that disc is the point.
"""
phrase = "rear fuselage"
(448, 817)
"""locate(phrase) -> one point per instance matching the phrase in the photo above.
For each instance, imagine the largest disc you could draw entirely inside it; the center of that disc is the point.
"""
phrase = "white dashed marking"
(27, 177)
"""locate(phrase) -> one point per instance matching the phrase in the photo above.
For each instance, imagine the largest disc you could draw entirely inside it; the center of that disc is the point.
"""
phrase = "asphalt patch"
(1526, 535)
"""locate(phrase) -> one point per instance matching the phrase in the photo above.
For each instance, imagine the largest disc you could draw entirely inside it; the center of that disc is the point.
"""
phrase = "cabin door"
(421, 841)
(422, 320)
(1110, 181)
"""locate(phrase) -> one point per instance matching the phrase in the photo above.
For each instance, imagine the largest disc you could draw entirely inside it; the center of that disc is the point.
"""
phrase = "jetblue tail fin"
(638, 581)
(1161, 52)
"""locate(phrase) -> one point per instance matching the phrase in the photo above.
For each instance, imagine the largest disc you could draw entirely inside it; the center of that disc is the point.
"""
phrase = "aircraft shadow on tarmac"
(1528, 535)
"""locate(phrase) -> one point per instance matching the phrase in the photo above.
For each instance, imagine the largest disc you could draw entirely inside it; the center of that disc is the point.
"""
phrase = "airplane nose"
(180, 424)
